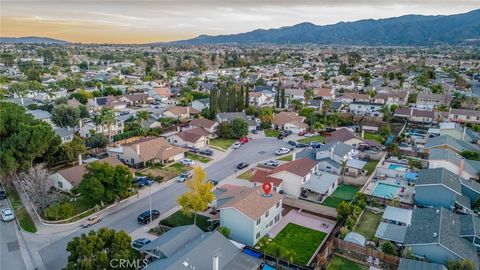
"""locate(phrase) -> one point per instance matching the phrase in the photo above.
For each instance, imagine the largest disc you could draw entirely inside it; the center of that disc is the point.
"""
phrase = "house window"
(455, 116)
(278, 204)
(328, 167)
(258, 221)
(60, 184)
(267, 213)
(132, 161)
(258, 235)
(468, 116)
(119, 125)
(271, 223)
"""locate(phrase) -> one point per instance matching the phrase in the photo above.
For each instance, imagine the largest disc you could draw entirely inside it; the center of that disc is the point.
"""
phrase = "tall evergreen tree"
(231, 98)
(247, 97)
(239, 97)
(213, 102)
(277, 95)
(283, 97)
(223, 102)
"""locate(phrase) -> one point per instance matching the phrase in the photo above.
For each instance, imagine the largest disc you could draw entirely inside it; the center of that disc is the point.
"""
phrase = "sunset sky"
(131, 21)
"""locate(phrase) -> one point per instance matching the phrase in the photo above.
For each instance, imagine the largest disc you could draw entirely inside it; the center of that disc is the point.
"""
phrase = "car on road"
(292, 143)
(282, 151)
(7, 214)
(141, 242)
(91, 221)
(243, 140)
(315, 144)
(144, 218)
(273, 163)
(237, 145)
(184, 176)
(187, 162)
(142, 181)
(3, 194)
(301, 133)
(301, 145)
(242, 165)
(206, 152)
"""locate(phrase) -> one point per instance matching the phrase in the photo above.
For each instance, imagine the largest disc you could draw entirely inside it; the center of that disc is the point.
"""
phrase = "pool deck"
(406, 196)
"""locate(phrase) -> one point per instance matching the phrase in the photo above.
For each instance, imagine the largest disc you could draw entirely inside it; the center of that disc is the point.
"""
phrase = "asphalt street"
(10, 255)
(54, 254)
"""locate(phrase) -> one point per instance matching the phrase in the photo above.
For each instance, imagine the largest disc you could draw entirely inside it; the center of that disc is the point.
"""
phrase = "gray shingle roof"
(172, 241)
(458, 145)
(439, 176)
(406, 264)
(471, 166)
(339, 148)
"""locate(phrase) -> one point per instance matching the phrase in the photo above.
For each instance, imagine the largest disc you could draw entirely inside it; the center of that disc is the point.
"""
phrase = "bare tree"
(38, 187)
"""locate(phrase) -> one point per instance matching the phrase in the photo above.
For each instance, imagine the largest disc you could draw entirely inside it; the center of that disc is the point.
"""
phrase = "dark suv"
(144, 218)
(3, 194)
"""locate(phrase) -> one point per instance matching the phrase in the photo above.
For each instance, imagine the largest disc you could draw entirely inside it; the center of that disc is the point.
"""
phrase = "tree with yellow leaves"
(198, 195)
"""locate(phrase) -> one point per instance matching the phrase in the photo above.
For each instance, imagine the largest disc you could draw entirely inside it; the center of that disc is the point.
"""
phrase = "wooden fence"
(361, 252)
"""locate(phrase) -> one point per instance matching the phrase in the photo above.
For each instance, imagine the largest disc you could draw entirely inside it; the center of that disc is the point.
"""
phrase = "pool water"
(397, 167)
(385, 191)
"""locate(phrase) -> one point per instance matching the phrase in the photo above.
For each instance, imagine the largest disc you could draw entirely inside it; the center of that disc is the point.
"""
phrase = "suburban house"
(366, 109)
(394, 223)
(147, 150)
(439, 235)
(247, 223)
(350, 97)
(86, 130)
(446, 141)
(431, 101)
(320, 186)
(337, 151)
(455, 163)
(136, 99)
(97, 103)
(161, 94)
(227, 117)
(415, 115)
(41, 115)
(208, 125)
(188, 247)
(351, 138)
(195, 137)
(261, 176)
(179, 112)
(399, 98)
(289, 121)
(201, 104)
(456, 131)
(65, 134)
(464, 116)
(66, 179)
(324, 93)
(408, 264)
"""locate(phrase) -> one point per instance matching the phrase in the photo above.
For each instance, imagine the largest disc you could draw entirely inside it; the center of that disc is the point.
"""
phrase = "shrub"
(389, 248)
(60, 211)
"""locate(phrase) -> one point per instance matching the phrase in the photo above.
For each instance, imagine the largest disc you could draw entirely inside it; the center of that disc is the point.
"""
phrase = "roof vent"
(434, 234)
(437, 211)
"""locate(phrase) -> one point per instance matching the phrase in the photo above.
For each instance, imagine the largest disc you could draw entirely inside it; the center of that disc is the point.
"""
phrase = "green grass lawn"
(370, 166)
(246, 175)
(367, 225)
(316, 138)
(196, 157)
(302, 240)
(21, 213)
(342, 193)
(81, 205)
(162, 173)
(221, 143)
(339, 263)
(286, 158)
(179, 219)
(373, 137)
(271, 133)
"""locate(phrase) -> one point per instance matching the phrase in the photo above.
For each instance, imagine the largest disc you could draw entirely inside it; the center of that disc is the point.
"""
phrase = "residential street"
(9, 247)
(52, 247)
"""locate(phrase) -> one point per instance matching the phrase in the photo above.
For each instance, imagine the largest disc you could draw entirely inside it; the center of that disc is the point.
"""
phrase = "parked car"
(242, 165)
(282, 151)
(3, 194)
(194, 149)
(142, 181)
(184, 176)
(281, 136)
(315, 144)
(293, 143)
(187, 162)
(237, 145)
(254, 131)
(308, 135)
(301, 133)
(7, 214)
(144, 218)
(141, 242)
(243, 140)
(301, 145)
(273, 163)
(91, 221)
(206, 152)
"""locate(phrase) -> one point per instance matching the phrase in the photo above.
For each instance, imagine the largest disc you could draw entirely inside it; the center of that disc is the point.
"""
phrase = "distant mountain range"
(33, 40)
(405, 30)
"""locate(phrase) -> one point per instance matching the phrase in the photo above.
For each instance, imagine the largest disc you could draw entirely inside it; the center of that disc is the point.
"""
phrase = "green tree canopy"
(65, 116)
(239, 127)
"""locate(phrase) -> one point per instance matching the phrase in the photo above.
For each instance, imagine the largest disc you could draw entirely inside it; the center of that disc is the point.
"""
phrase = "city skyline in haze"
(114, 21)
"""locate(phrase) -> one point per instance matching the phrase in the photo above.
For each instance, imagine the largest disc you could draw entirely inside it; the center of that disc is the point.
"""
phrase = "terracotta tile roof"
(250, 201)
(163, 91)
(355, 96)
(261, 176)
(402, 111)
(193, 135)
(465, 112)
(300, 167)
(204, 123)
(341, 135)
(155, 148)
(178, 110)
(289, 117)
(323, 92)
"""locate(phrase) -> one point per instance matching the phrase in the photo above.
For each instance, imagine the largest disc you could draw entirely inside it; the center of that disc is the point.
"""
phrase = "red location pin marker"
(267, 187)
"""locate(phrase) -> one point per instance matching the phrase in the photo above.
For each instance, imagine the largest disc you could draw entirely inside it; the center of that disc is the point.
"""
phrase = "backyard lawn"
(271, 133)
(370, 166)
(316, 138)
(246, 175)
(367, 225)
(162, 173)
(196, 157)
(374, 137)
(179, 219)
(342, 193)
(221, 143)
(286, 158)
(339, 263)
(302, 240)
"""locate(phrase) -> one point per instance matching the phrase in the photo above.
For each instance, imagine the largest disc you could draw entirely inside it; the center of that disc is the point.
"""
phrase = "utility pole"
(150, 201)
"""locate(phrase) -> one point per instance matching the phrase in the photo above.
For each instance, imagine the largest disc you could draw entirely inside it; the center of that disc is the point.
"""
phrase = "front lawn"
(179, 219)
(370, 166)
(21, 214)
(196, 157)
(339, 263)
(367, 225)
(374, 137)
(246, 175)
(302, 240)
(221, 143)
(271, 133)
(286, 158)
(162, 173)
(342, 193)
(316, 138)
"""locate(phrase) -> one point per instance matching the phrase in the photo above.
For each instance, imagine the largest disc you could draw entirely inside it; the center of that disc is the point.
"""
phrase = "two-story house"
(289, 121)
(464, 116)
(366, 109)
(431, 101)
(179, 112)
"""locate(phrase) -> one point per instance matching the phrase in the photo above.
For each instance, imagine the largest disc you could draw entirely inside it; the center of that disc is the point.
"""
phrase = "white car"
(237, 145)
(282, 151)
(187, 162)
(7, 214)
(273, 163)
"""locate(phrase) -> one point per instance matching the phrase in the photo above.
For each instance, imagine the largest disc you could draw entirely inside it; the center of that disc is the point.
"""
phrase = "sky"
(143, 21)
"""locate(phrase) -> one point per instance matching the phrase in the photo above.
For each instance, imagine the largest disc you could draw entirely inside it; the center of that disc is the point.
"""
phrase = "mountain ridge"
(32, 40)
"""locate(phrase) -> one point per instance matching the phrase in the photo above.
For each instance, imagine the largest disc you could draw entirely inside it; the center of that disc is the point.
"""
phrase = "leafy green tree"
(225, 231)
(282, 98)
(343, 211)
(71, 150)
(326, 105)
(105, 183)
(472, 155)
(239, 127)
(97, 141)
(82, 96)
(18, 88)
(60, 211)
(266, 115)
(108, 119)
(65, 116)
(296, 104)
(308, 94)
(142, 117)
(97, 249)
(389, 248)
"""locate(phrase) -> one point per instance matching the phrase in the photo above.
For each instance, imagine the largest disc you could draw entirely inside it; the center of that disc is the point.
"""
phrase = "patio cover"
(398, 214)
(356, 163)
(321, 182)
(355, 238)
(391, 232)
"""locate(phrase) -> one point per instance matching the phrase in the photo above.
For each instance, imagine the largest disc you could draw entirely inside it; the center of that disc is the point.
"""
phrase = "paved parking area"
(303, 219)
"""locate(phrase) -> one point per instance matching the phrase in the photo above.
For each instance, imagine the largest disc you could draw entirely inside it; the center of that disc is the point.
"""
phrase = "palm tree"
(343, 164)
(142, 116)
(289, 255)
(326, 105)
(277, 251)
(108, 118)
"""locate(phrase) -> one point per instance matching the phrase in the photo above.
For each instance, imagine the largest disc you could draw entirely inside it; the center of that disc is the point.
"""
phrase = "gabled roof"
(439, 176)
(283, 118)
(193, 135)
(300, 167)
(178, 110)
(407, 264)
(451, 142)
(204, 123)
(342, 135)
(155, 147)
(470, 166)
(339, 148)
(262, 176)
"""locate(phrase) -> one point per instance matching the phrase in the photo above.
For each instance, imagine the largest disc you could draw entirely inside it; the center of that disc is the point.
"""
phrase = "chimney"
(188, 111)
(464, 133)
(461, 167)
(331, 152)
(363, 134)
(215, 263)
(138, 149)
(80, 162)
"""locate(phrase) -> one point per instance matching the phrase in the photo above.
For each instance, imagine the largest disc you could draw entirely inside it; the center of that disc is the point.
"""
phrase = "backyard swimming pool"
(397, 167)
(385, 191)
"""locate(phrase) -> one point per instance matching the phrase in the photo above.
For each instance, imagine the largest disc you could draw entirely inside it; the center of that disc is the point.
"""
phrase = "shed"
(355, 238)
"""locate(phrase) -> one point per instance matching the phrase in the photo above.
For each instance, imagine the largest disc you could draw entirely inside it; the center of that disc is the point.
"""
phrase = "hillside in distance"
(405, 30)
(32, 40)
